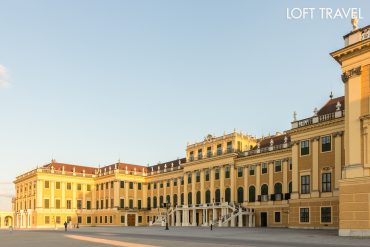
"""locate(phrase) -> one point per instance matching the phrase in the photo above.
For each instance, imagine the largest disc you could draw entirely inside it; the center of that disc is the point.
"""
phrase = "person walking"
(65, 226)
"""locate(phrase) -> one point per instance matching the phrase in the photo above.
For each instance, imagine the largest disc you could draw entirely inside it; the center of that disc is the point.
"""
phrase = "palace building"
(314, 175)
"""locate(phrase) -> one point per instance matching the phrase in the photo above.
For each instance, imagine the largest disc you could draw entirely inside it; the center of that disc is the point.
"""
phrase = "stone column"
(258, 180)
(232, 183)
(338, 160)
(63, 190)
(135, 194)
(212, 183)
(178, 221)
(222, 183)
(178, 191)
(171, 193)
(285, 176)
(74, 196)
(202, 191)
(185, 191)
(193, 192)
(152, 195)
(39, 188)
(93, 198)
(295, 154)
(116, 193)
(315, 167)
(246, 188)
(194, 223)
(52, 194)
(144, 202)
(83, 196)
(271, 177)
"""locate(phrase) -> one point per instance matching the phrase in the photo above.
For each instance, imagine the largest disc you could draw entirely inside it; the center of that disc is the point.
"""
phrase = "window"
(88, 219)
(97, 204)
(197, 177)
(139, 204)
(277, 166)
(69, 204)
(252, 194)
(200, 155)
(240, 195)
(69, 186)
(111, 184)
(155, 202)
(290, 187)
(208, 196)
(131, 185)
(57, 220)
(198, 197)
(106, 185)
(88, 205)
(122, 203)
(47, 219)
(88, 187)
(131, 203)
(325, 143)
(139, 186)
(264, 168)
(112, 203)
(122, 219)
(251, 170)
(175, 200)
(79, 186)
(290, 164)
(182, 180)
(305, 147)
(79, 220)
(57, 185)
(190, 199)
(175, 182)
(155, 186)
(140, 219)
(106, 203)
(189, 178)
(101, 204)
(240, 172)
(326, 182)
(106, 219)
(218, 195)
(227, 172)
(219, 149)
(122, 185)
(161, 185)
(217, 174)
(326, 215)
(47, 185)
(264, 189)
(304, 215)
(277, 217)
(209, 152)
(229, 147)
(46, 203)
(149, 186)
(191, 155)
(79, 204)
(207, 175)
(305, 184)
(161, 201)
(168, 183)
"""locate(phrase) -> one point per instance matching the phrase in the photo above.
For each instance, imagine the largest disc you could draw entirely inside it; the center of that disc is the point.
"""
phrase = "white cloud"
(4, 77)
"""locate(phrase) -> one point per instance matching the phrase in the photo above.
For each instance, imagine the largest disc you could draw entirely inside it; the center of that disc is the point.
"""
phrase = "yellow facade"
(314, 175)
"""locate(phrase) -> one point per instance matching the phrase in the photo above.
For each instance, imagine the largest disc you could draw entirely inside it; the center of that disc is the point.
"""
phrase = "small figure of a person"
(65, 226)
(211, 226)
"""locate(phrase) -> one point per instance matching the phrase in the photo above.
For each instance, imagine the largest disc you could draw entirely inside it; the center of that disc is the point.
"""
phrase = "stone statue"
(354, 22)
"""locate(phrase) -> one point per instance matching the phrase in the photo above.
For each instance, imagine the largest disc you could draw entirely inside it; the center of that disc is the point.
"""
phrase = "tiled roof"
(277, 139)
(69, 167)
(330, 106)
(168, 165)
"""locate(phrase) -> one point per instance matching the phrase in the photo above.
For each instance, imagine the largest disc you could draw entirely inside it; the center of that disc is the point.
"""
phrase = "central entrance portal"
(131, 219)
(263, 219)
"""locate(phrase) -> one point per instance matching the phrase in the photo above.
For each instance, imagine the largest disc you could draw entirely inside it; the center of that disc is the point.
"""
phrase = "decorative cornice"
(339, 133)
(351, 73)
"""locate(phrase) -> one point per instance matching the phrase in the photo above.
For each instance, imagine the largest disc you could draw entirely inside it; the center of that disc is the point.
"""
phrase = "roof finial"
(331, 95)
(354, 22)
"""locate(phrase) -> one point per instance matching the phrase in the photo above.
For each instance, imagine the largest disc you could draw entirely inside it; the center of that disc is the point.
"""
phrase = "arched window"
(155, 202)
(252, 194)
(198, 197)
(240, 195)
(168, 199)
(182, 199)
(149, 202)
(264, 189)
(278, 188)
(208, 196)
(161, 201)
(190, 201)
(217, 195)
(175, 200)
(228, 195)
(290, 187)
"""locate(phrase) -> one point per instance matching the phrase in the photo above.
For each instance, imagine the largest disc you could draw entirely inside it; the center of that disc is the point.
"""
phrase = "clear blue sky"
(94, 81)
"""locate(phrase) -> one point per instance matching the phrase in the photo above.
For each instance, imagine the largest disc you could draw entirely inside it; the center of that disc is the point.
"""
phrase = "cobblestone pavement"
(177, 236)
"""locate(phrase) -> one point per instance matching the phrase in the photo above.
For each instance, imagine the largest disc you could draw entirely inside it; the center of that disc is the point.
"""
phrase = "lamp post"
(166, 205)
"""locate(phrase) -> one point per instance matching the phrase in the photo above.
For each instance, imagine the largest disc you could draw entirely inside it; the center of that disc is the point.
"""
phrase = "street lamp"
(167, 206)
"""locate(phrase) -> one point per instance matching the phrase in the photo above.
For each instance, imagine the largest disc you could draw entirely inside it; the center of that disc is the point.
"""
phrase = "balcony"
(317, 119)
(211, 154)
(265, 149)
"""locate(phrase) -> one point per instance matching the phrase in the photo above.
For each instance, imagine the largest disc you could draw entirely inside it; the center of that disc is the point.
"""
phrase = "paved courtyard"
(191, 236)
